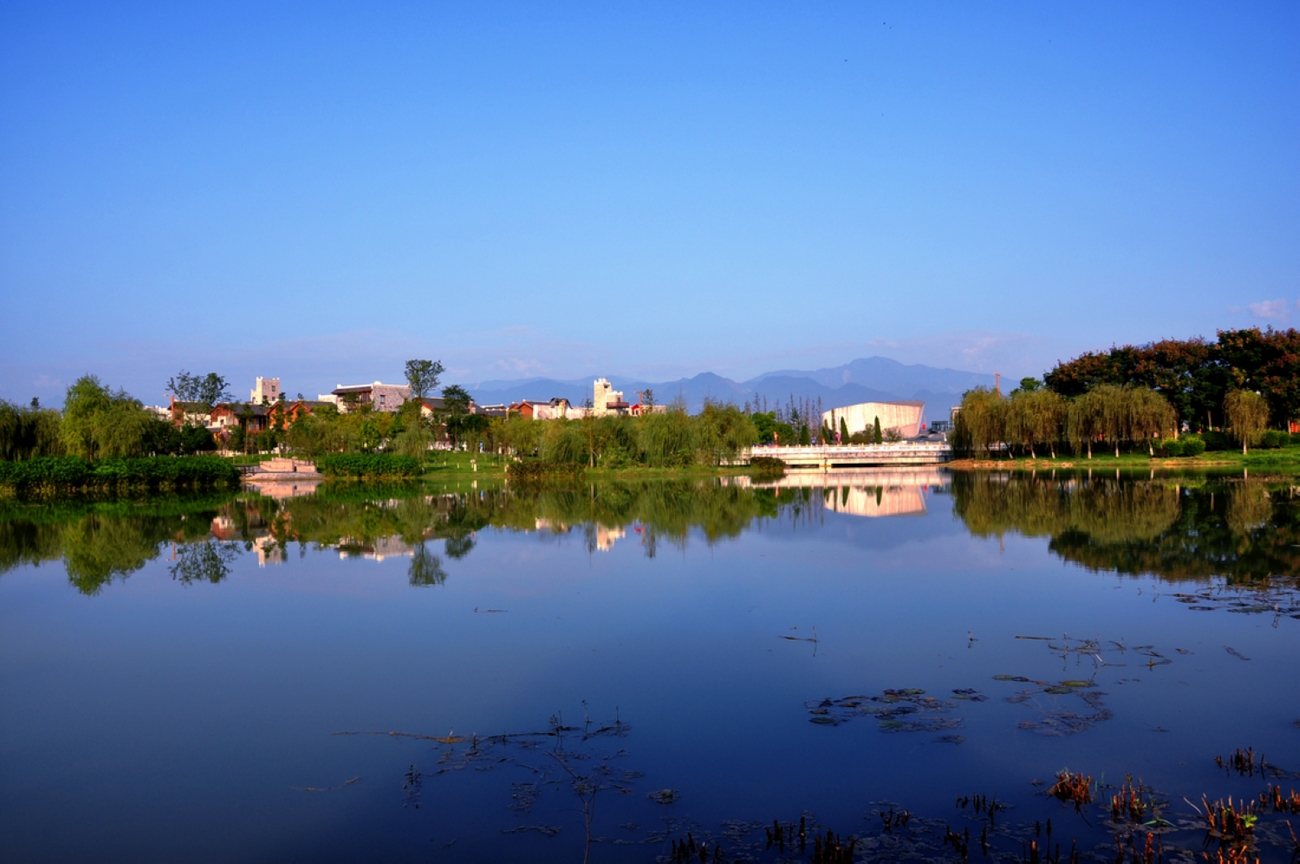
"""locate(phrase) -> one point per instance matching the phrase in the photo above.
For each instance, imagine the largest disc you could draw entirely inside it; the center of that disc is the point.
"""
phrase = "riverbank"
(1283, 460)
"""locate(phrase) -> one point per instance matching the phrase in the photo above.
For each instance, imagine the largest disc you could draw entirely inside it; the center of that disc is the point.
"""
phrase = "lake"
(657, 671)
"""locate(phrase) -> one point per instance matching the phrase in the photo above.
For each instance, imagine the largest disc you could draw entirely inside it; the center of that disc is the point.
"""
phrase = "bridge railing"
(847, 451)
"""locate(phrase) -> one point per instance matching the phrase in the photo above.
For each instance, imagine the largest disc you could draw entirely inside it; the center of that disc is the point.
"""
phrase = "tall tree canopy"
(98, 423)
(1196, 375)
(204, 391)
(422, 377)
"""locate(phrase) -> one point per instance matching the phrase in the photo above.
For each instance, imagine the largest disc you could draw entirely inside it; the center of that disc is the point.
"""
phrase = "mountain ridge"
(865, 379)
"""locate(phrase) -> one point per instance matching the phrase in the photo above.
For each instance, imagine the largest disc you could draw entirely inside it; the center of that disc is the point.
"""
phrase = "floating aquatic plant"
(907, 709)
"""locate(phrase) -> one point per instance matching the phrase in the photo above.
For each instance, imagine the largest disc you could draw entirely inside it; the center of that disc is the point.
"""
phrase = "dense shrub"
(368, 465)
(766, 467)
(1218, 441)
(1274, 439)
(72, 473)
(1188, 445)
(1169, 447)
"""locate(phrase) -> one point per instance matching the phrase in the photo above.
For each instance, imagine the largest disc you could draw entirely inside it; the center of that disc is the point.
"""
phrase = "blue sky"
(320, 192)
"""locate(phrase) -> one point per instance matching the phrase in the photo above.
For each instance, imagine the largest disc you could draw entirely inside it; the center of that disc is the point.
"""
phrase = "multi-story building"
(379, 396)
(265, 391)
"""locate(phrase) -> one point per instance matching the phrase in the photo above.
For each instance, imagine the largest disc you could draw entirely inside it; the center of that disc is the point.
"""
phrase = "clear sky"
(321, 191)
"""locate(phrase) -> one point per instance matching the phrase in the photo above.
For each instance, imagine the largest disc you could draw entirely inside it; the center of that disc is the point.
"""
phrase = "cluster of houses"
(268, 407)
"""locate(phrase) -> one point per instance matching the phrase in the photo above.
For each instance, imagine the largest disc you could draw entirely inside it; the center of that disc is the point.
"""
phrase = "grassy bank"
(1286, 460)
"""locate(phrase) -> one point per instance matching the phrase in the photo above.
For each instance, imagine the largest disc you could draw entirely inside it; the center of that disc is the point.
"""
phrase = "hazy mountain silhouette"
(863, 380)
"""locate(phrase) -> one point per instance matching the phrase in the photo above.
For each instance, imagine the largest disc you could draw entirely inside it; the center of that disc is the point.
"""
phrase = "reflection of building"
(901, 417)
(605, 537)
(878, 501)
(866, 492)
(376, 550)
(268, 551)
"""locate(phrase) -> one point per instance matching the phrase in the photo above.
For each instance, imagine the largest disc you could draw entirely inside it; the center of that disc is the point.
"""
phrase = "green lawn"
(1284, 459)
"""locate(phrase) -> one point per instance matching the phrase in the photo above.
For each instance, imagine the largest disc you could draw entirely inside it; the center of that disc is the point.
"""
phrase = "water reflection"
(871, 493)
(1177, 528)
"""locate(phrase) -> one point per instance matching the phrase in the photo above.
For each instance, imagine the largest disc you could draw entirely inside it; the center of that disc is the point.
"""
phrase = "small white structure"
(902, 417)
(265, 391)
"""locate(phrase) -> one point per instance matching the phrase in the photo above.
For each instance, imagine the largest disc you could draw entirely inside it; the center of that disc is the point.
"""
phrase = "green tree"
(99, 424)
(204, 392)
(27, 432)
(844, 431)
(876, 436)
(1034, 417)
(1084, 421)
(1247, 415)
(981, 422)
(455, 408)
(422, 377)
(721, 431)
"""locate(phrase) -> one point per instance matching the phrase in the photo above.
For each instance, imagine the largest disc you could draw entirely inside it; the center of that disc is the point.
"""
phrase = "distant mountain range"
(870, 379)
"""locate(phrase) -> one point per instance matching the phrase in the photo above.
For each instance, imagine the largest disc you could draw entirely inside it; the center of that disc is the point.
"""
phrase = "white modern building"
(902, 417)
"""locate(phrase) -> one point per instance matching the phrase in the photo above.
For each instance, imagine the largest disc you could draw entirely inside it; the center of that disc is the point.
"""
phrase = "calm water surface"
(590, 674)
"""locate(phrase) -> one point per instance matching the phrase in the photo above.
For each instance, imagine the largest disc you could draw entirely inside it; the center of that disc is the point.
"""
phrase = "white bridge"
(824, 457)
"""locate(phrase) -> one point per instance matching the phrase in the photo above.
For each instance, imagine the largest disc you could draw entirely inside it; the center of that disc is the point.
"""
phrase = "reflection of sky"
(170, 721)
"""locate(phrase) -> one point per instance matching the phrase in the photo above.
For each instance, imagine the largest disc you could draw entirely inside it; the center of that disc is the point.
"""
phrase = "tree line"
(1195, 376)
(96, 423)
(1144, 397)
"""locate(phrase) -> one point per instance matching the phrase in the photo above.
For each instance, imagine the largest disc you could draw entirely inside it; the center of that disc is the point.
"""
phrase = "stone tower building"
(265, 391)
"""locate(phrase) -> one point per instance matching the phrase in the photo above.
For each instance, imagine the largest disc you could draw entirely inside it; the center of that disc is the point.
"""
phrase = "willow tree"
(98, 423)
(28, 432)
(981, 422)
(1084, 420)
(1151, 415)
(1034, 417)
(1115, 414)
(1247, 414)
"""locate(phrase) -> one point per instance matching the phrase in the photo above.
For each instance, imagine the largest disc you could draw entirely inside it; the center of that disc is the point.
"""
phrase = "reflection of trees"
(1105, 510)
(458, 547)
(97, 549)
(25, 542)
(1249, 509)
(1235, 529)
(426, 568)
(208, 561)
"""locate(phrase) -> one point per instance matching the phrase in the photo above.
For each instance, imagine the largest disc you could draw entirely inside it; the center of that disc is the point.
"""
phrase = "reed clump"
(832, 849)
(1227, 820)
(1127, 804)
(1289, 803)
(1073, 789)
(1242, 761)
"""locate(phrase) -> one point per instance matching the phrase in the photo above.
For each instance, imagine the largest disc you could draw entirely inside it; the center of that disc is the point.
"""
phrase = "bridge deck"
(827, 456)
